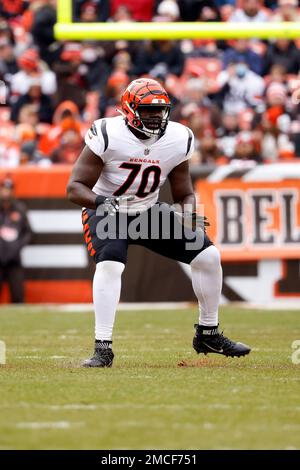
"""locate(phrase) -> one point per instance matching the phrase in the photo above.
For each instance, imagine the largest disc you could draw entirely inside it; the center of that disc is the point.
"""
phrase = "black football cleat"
(207, 339)
(103, 356)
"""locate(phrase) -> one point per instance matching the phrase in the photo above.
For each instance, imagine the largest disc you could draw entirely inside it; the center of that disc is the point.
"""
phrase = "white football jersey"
(136, 167)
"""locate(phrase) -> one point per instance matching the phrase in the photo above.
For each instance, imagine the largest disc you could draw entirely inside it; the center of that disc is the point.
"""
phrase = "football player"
(125, 161)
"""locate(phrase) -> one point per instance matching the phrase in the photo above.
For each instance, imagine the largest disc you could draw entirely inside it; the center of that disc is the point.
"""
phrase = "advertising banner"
(253, 220)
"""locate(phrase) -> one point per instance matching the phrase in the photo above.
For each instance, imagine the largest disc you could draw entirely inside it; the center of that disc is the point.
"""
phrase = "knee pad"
(111, 269)
(209, 259)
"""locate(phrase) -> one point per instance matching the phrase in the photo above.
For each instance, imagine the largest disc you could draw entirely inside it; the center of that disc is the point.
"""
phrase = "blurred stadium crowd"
(239, 97)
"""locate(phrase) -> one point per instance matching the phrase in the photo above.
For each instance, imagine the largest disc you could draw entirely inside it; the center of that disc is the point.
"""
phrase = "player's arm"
(184, 197)
(84, 176)
(182, 188)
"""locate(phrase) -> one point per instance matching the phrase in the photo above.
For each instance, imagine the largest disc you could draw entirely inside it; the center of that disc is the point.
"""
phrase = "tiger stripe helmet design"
(145, 93)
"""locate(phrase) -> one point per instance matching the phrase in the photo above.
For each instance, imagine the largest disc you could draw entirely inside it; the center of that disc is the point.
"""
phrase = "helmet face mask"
(154, 119)
(146, 106)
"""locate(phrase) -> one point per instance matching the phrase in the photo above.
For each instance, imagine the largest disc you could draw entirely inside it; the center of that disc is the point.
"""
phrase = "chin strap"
(146, 133)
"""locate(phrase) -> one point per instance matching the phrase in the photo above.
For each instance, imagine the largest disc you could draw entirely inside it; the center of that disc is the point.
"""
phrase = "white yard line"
(48, 425)
(136, 306)
(41, 357)
(78, 308)
(175, 407)
(279, 304)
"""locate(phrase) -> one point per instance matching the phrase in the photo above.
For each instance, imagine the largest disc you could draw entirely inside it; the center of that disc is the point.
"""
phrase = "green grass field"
(159, 393)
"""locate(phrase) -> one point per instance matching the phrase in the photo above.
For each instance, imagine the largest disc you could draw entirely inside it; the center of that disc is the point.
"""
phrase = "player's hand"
(193, 220)
(112, 204)
(196, 221)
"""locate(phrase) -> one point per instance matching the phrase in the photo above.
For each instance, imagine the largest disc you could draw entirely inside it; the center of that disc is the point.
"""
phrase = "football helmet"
(145, 104)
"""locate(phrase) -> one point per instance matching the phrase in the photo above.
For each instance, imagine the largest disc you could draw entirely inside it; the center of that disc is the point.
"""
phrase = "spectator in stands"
(204, 48)
(251, 10)
(285, 53)
(227, 133)
(109, 99)
(93, 67)
(277, 74)
(209, 150)
(27, 135)
(195, 120)
(193, 100)
(29, 115)
(122, 14)
(71, 79)
(6, 31)
(9, 153)
(209, 13)
(15, 233)
(245, 119)
(69, 147)
(165, 53)
(11, 9)
(66, 117)
(36, 97)
(91, 10)
(200, 120)
(26, 138)
(275, 144)
(43, 31)
(162, 78)
(8, 63)
(287, 11)
(245, 148)
(167, 10)
(240, 51)
(276, 95)
(31, 68)
(275, 124)
(240, 88)
(198, 10)
(121, 63)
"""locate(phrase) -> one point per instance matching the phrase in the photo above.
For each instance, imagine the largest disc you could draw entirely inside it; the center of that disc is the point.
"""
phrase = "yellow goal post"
(66, 29)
